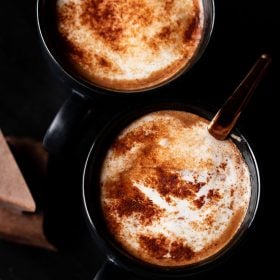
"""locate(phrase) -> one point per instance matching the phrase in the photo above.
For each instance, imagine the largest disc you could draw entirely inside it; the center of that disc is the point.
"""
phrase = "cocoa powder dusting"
(159, 247)
(156, 247)
(137, 204)
(65, 14)
(113, 225)
(213, 195)
(122, 27)
(147, 190)
(65, 18)
(223, 165)
(180, 251)
(168, 183)
(141, 135)
(209, 220)
(194, 27)
(185, 122)
(103, 61)
(103, 18)
(154, 173)
(165, 33)
(129, 200)
(168, 5)
(74, 50)
(199, 202)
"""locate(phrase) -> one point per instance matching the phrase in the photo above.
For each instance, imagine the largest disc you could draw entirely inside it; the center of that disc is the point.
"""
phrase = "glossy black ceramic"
(91, 199)
(81, 91)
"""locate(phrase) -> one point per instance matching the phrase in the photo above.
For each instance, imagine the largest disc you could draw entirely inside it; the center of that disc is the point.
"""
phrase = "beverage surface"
(129, 44)
(171, 194)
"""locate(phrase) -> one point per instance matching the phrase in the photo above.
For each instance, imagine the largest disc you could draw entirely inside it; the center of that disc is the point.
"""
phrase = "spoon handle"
(226, 118)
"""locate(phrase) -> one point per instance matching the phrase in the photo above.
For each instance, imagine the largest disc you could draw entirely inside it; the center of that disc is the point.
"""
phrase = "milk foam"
(210, 181)
(135, 41)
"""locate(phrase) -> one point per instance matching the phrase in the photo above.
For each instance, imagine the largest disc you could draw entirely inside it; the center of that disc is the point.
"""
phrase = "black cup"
(77, 107)
(117, 259)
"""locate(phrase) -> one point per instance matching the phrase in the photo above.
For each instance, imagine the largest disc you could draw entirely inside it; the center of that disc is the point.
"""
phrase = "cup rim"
(92, 87)
(132, 264)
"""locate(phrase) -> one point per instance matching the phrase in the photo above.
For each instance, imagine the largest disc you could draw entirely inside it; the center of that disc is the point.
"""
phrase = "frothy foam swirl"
(171, 194)
(129, 44)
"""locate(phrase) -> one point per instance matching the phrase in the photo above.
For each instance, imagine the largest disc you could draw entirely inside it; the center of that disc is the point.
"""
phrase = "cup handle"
(110, 271)
(66, 123)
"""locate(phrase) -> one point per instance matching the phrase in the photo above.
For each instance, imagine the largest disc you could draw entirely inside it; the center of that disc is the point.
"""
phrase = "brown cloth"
(18, 220)
(14, 192)
(25, 228)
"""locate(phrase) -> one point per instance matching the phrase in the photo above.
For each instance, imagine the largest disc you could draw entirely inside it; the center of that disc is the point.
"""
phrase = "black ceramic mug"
(117, 258)
(76, 108)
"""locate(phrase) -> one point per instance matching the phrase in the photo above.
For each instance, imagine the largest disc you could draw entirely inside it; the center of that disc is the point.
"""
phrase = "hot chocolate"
(171, 194)
(129, 45)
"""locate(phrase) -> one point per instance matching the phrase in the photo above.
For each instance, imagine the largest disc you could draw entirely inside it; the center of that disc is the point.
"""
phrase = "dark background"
(30, 96)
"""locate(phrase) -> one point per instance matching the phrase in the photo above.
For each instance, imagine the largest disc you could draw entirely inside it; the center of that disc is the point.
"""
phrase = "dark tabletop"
(30, 96)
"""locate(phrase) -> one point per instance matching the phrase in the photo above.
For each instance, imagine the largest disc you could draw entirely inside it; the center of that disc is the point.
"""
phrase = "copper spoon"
(226, 118)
